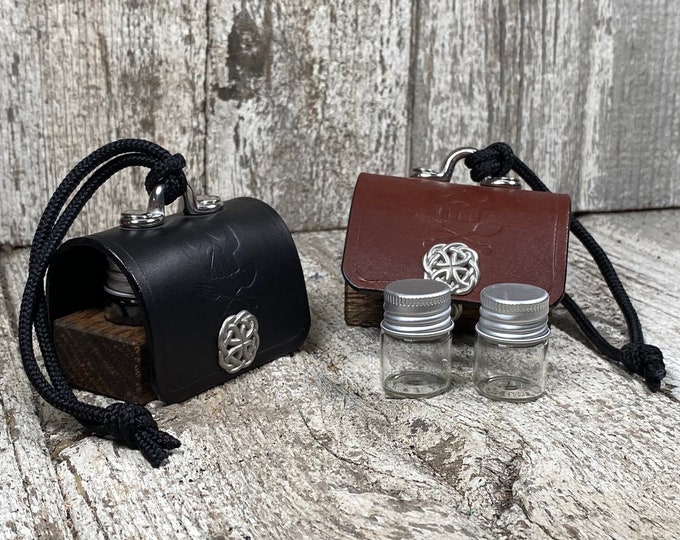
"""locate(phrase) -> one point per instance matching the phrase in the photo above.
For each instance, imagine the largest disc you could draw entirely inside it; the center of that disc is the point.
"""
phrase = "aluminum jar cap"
(116, 282)
(514, 313)
(417, 308)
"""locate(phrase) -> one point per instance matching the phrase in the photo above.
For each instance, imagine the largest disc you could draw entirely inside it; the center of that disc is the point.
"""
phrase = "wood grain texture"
(288, 102)
(31, 505)
(583, 92)
(362, 309)
(643, 247)
(103, 357)
(301, 99)
(309, 446)
(77, 75)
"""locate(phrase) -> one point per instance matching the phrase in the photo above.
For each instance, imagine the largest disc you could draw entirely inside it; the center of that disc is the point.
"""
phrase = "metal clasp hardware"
(155, 212)
(444, 175)
(199, 205)
(154, 215)
(501, 181)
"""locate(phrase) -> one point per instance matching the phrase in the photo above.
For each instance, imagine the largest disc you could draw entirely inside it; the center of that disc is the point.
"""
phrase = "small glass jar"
(512, 342)
(415, 338)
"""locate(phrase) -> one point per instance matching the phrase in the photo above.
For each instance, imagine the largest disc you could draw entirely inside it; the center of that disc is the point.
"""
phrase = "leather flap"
(520, 236)
(188, 275)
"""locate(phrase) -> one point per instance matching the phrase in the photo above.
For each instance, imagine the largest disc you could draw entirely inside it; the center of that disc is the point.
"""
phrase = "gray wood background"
(289, 101)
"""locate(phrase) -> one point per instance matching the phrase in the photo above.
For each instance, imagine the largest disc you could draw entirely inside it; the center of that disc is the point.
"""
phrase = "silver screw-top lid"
(116, 282)
(417, 308)
(514, 313)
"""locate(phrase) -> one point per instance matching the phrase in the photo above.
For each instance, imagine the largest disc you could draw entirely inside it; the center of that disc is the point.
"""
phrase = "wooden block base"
(363, 308)
(103, 357)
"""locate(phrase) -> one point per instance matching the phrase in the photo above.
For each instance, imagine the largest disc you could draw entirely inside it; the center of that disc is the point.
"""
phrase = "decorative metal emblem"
(238, 341)
(455, 264)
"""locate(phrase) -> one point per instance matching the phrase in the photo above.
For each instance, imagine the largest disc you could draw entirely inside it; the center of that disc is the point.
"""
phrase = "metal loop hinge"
(501, 181)
(154, 215)
(200, 205)
(444, 175)
(155, 212)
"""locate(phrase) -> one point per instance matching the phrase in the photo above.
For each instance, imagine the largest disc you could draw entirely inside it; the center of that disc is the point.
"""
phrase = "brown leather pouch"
(485, 234)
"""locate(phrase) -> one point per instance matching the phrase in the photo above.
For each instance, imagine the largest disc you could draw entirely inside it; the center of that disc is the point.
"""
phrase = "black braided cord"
(637, 357)
(128, 423)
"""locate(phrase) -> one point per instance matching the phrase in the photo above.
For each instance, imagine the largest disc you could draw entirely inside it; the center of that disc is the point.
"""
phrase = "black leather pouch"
(218, 294)
(159, 307)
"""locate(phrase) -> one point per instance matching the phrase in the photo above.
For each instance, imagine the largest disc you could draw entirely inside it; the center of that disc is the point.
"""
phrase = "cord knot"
(495, 160)
(134, 426)
(169, 172)
(645, 360)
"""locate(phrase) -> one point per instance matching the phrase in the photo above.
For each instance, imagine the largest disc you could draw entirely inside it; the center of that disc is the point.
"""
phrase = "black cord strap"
(128, 423)
(498, 159)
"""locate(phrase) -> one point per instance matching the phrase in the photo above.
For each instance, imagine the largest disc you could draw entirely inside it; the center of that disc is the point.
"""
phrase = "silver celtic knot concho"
(455, 264)
(238, 341)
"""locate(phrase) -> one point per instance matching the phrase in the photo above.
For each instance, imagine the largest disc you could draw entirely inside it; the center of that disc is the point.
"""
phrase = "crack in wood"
(324, 445)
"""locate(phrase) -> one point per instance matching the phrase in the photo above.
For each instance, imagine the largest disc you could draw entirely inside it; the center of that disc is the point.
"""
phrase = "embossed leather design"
(189, 274)
(520, 236)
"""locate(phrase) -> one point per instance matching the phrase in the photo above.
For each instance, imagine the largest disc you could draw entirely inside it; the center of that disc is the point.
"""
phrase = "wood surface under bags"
(267, 454)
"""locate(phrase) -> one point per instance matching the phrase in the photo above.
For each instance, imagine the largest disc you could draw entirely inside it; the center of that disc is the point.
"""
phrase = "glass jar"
(415, 338)
(512, 342)
(121, 303)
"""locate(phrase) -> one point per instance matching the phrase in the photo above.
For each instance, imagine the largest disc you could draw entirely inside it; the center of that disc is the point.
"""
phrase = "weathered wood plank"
(269, 453)
(78, 75)
(289, 103)
(31, 505)
(583, 93)
(643, 247)
(259, 457)
(301, 99)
